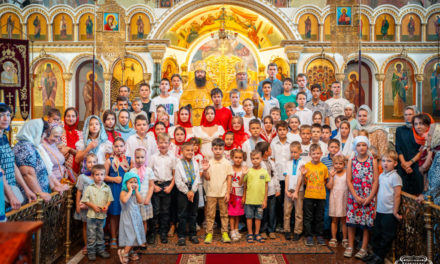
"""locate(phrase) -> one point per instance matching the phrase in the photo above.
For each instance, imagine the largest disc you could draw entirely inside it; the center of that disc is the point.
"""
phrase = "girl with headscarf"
(349, 109)
(70, 137)
(208, 131)
(94, 140)
(32, 159)
(131, 231)
(183, 120)
(345, 137)
(109, 120)
(433, 179)
(179, 139)
(376, 134)
(237, 127)
(268, 132)
(123, 124)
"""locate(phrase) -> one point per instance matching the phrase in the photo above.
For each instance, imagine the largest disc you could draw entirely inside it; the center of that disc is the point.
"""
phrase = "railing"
(52, 241)
(418, 233)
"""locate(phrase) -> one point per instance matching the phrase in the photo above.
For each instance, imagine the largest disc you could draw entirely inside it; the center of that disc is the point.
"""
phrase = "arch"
(391, 21)
(398, 56)
(309, 9)
(83, 9)
(132, 25)
(74, 63)
(178, 11)
(40, 27)
(45, 56)
(431, 32)
(82, 27)
(431, 11)
(414, 9)
(31, 9)
(146, 9)
(133, 56)
(365, 58)
(426, 61)
(386, 9)
(55, 11)
(57, 32)
(16, 32)
(319, 56)
(314, 33)
(8, 8)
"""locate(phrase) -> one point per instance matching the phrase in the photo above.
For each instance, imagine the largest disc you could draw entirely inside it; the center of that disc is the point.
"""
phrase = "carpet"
(271, 246)
(232, 259)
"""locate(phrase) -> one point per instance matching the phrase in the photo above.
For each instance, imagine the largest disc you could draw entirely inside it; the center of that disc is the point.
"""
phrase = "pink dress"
(338, 197)
(235, 207)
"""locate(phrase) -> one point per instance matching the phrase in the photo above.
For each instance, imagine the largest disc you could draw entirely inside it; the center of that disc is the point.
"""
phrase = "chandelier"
(222, 33)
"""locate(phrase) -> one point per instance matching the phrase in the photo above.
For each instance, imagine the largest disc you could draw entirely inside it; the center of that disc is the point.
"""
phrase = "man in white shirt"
(336, 104)
(170, 103)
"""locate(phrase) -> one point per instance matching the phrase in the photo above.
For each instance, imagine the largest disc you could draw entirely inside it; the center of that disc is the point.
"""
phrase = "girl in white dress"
(208, 131)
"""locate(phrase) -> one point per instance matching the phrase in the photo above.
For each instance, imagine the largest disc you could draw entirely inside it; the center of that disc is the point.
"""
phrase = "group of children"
(261, 172)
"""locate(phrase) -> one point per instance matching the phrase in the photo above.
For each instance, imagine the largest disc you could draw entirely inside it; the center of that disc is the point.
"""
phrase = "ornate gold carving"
(147, 77)
(339, 76)
(379, 77)
(420, 77)
(67, 76)
(108, 76)
(319, 56)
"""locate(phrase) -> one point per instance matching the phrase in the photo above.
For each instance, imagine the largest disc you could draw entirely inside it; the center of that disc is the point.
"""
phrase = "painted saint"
(437, 26)
(37, 27)
(354, 91)
(411, 27)
(140, 28)
(87, 95)
(89, 28)
(111, 24)
(308, 27)
(165, 3)
(9, 74)
(63, 28)
(344, 19)
(435, 90)
(399, 85)
(384, 28)
(48, 86)
(10, 26)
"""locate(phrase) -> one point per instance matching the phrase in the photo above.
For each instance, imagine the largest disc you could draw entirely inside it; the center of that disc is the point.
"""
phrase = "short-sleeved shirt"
(145, 180)
(283, 99)
(170, 103)
(307, 91)
(321, 107)
(98, 196)
(27, 155)
(219, 170)
(277, 87)
(269, 104)
(315, 180)
(256, 185)
(7, 160)
(385, 195)
(163, 166)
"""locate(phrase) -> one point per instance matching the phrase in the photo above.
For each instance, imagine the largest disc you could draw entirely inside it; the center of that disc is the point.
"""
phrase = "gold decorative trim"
(145, 9)
(355, 56)
(431, 11)
(426, 61)
(37, 59)
(83, 11)
(84, 57)
(413, 10)
(398, 56)
(308, 9)
(319, 56)
(61, 10)
(132, 56)
(12, 9)
(386, 9)
(38, 10)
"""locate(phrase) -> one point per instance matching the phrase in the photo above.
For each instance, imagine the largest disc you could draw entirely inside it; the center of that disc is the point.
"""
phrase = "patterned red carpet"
(232, 259)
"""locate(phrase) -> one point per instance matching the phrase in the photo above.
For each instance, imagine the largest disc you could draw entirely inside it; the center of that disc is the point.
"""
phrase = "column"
(107, 94)
(147, 77)
(50, 32)
(184, 75)
(157, 50)
(293, 60)
(67, 76)
(293, 51)
(340, 76)
(372, 36)
(423, 33)
(398, 26)
(321, 32)
(379, 78)
(419, 92)
(75, 32)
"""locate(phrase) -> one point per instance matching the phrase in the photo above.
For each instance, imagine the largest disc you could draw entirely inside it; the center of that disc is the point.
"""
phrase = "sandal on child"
(250, 238)
(123, 257)
(114, 244)
(333, 242)
(344, 243)
(361, 254)
(348, 253)
(259, 238)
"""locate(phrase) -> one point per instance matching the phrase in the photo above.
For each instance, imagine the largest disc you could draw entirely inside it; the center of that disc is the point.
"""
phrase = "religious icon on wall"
(431, 89)
(48, 88)
(385, 28)
(84, 89)
(433, 27)
(63, 27)
(86, 27)
(9, 75)
(10, 26)
(411, 30)
(398, 89)
(127, 72)
(355, 92)
(322, 72)
(283, 69)
(165, 3)
(37, 27)
(364, 27)
(343, 15)
(139, 26)
(308, 27)
(111, 22)
(169, 68)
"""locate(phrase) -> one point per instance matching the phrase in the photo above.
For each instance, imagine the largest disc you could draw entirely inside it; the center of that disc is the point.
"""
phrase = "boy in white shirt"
(316, 136)
(305, 132)
(165, 99)
(292, 171)
(140, 139)
(305, 114)
(163, 165)
(249, 145)
(137, 110)
(235, 107)
(176, 83)
(336, 104)
(269, 101)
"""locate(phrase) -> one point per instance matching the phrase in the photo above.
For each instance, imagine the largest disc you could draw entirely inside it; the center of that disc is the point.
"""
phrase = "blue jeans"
(95, 235)
(269, 222)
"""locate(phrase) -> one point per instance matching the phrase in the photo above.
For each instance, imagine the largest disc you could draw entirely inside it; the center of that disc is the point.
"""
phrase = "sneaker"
(194, 240)
(263, 235)
(309, 241)
(208, 238)
(272, 236)
(296, 237)
(233, 235)
(287, 235)
(181, 241)
(104, 254)
(91, 257)
(237, 233)
(225, 238)
(321, 241)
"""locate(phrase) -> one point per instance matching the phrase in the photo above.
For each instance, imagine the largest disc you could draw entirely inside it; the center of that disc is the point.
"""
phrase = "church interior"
(363, 44)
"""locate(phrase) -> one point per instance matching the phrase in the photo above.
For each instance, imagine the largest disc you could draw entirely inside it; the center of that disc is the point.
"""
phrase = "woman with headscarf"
(123, 124)
(94, 140)
(345, 137)
(70, 137)
(237, 127)
(208, 131)
(433, 141)
(408, 151)
(376, 134)
(183, 120)
(32, 159)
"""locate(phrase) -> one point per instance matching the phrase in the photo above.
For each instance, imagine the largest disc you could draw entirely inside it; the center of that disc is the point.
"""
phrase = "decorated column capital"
(420, 77)
(147, 76)
(157, 49)
(380, 77)
(67, 76)
(108, 76)
(340, 76)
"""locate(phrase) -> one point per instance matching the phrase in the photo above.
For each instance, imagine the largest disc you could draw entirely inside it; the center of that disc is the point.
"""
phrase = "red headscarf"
(72, 135)
(239, 136)
(268, 137)
(205, 122)
(179, 143)
(231, 147)
(421, 139)
(154, 130)
(180, 122)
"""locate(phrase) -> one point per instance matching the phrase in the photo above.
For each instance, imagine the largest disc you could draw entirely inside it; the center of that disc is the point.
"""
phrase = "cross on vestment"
(9, 96)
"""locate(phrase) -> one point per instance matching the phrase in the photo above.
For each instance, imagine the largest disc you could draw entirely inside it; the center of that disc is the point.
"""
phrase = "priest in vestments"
(247, 88)
(198, 92)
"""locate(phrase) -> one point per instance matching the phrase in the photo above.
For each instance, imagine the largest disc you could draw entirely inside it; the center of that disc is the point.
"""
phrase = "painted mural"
(411, 28)
(354, 91)
(37, 27)
(364, 29)
(139, 26)
(322, 72)
(48, 88)
(84, 88)
(398, 90)
(62, 27)
(431, 89)
(111, 22)
(308, 27)
(127, 72)
(86, 27)
(10, 26)
(385, 28)
(433, 27)
(281, 3)
(328, 28)
(169, 67)
(257, 28)
(343, 16)
(283, 68)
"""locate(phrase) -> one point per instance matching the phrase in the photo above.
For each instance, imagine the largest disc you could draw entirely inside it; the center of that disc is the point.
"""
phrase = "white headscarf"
(32, 131)
(347, 150)
(369, 126)
(360, 139)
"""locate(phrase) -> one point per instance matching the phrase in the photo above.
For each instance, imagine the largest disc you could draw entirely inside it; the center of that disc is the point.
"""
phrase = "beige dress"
(338, 197)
